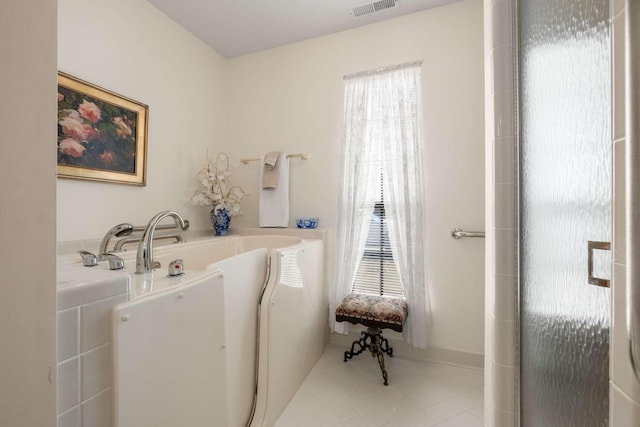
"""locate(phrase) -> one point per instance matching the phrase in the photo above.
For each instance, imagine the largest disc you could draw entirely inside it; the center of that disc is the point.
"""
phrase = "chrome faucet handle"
(176, 268)
(115, 262)
(88, 259)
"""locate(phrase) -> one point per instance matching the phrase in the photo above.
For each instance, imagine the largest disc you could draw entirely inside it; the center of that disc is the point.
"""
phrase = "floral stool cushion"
(370, 310)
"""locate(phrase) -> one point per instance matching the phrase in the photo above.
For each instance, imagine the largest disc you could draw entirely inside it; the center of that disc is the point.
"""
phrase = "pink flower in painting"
(74, 115)
(60, 97)
(107, 157)
(73, 127)
(71, 147)
(123, 128)
(90, 131)
(89, 110)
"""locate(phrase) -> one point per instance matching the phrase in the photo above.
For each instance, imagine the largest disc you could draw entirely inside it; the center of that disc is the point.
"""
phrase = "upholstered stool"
(377, 313)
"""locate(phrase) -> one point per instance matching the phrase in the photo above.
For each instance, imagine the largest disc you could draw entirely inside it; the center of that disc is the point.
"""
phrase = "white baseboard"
(402, 349)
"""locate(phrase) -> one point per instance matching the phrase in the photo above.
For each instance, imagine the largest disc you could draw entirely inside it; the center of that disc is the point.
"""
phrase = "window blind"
(377, 273)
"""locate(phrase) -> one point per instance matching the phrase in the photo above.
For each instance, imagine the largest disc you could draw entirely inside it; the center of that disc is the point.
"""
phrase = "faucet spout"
(119, 230)
(144, 257)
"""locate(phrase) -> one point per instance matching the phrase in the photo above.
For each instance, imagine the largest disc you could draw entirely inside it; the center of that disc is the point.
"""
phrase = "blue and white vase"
(220, 221)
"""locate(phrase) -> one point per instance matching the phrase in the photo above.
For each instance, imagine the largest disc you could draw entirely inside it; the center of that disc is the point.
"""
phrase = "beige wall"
(290, 99)
(27, 214)
(131, 48)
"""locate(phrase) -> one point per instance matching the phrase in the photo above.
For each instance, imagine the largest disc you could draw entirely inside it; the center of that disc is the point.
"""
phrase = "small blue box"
(307, 222)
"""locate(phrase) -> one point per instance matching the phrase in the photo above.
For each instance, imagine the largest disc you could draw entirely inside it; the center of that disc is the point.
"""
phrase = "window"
(380, 235)
(377, 273)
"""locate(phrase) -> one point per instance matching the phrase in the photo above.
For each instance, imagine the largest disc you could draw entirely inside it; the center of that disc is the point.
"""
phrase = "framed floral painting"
(102, 136)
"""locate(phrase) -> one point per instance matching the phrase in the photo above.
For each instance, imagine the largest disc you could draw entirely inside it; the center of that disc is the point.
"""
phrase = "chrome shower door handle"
(604, 246)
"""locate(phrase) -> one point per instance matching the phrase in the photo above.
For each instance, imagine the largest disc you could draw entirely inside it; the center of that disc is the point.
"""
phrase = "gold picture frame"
(102, 136)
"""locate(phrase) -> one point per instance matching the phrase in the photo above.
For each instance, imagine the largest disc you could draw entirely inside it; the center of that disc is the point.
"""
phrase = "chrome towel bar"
(458, 233)
(303, 156)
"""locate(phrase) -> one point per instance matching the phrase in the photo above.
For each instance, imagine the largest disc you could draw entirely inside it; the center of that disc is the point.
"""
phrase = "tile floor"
(419, 393)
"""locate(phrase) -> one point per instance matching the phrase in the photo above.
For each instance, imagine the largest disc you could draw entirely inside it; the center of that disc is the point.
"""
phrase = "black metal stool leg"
(372, 340)
(382, 368)
(376, 349)
(362, 343)
(384, 346)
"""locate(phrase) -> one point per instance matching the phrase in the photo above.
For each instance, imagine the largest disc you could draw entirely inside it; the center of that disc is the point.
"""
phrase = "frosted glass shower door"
(565, 193)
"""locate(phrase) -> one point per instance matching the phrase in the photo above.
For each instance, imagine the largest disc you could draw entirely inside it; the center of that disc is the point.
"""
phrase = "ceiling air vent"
(376, 6)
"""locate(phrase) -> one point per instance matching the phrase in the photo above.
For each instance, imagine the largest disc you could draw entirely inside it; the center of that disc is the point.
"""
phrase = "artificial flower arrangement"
(215, 187)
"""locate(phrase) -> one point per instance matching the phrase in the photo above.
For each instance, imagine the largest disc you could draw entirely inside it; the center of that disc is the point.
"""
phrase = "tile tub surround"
(84, 343)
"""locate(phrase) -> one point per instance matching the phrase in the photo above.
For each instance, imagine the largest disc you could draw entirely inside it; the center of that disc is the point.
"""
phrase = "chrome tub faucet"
(144, 257)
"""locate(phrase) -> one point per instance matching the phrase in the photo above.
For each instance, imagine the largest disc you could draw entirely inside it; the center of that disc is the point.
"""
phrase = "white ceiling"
(239, 27)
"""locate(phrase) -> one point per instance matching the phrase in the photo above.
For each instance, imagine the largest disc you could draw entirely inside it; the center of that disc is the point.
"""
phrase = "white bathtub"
(272, 289)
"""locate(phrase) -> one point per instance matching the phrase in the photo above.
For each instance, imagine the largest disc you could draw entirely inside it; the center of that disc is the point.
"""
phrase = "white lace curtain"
(383, 131)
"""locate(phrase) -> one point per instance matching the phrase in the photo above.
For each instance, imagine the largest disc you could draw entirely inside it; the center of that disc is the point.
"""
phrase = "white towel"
(274, 202)
(271, 170)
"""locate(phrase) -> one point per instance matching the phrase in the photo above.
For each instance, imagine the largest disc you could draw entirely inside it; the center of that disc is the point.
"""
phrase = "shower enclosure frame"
(518, 206)
(632, 181)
